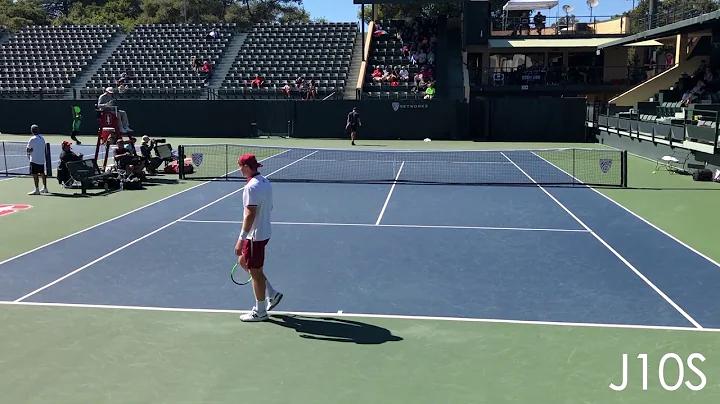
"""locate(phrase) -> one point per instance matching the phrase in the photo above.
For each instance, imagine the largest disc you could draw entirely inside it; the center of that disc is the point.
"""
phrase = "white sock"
(260, 307)
(269, 291)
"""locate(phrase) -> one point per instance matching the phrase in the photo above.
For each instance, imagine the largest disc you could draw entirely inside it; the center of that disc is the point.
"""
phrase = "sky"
(345, 10)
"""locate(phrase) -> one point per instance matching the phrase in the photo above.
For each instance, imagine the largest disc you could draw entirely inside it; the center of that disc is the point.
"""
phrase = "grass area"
(83, 355)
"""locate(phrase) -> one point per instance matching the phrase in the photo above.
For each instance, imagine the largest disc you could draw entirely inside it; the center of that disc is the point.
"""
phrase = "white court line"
(408, 226)
(342, 313)
(115, 218)
(387, 200)
(612, 250)
(144, 237)
(406, 161)
(635, 214)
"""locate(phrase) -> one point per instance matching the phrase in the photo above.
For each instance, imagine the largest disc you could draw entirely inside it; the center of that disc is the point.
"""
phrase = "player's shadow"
(335, 329)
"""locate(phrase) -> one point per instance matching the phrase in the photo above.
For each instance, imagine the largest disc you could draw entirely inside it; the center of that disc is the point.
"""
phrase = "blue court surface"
(518, 253)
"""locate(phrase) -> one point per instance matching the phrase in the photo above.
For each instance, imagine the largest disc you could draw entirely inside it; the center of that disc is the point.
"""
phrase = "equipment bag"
(173, 168)
(703, 175)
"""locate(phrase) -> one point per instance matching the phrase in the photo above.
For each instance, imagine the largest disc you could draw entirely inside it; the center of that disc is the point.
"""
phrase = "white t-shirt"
(258, 192)
(37, 144)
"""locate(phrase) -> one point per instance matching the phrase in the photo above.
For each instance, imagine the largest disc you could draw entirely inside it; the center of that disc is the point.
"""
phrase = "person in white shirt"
(404, 74)
(254, 236)
(36, 154)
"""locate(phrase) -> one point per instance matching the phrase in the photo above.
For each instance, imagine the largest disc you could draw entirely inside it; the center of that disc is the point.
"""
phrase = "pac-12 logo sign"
(395, 106)
(605, 165)
(6, 209)
(197, 158)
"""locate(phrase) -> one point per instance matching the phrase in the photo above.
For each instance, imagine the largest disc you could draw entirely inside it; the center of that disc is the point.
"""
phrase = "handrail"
(366, 53)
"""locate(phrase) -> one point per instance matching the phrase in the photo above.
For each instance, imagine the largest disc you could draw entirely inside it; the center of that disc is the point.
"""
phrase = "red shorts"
(254, 253)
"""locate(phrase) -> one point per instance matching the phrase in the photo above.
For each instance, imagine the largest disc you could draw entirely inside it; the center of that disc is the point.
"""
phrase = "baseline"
(611, 249)
(145, 236)
(388, 316)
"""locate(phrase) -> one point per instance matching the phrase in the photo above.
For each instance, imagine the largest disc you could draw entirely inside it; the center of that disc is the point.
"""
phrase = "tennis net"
(561, 166)
(14, 158)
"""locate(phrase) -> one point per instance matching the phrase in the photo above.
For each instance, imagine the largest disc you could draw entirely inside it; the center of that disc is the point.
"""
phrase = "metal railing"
(559, 76)
(558, 25)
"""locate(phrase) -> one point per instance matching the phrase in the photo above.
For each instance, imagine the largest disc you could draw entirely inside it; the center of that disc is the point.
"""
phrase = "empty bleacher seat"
(280, 53)
(47, 59)
(157, 58)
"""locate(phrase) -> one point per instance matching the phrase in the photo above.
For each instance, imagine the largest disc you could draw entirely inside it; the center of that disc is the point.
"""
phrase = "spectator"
(692, 95)
(257, 81)
(196, 64)
(413, 59)
(146, 148)
(539, 21)
(286, 89)
(421, 57)
(207, 69)
(377, 74)
(66, 156)
(312, 90)
(212, 35)
(126, 160)
(431, 58)
(36, 153)
(430, 92)
(106, 101)
(122, 82)
(404, 74)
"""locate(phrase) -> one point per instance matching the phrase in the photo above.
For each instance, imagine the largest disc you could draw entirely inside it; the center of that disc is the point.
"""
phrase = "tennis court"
(14, 158)
(397, 288)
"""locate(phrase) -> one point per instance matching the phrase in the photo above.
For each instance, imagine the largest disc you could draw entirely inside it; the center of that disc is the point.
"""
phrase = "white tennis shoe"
(254, 316)
(272, 302)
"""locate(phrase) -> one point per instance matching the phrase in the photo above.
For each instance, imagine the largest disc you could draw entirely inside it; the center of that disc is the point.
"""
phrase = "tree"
(17, 14)
(638, 15)
(566, 21)
(400, 11)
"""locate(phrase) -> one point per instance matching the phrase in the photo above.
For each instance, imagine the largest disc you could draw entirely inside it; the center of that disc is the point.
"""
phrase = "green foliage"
(127, 13)
(667, 7)
(400, 11)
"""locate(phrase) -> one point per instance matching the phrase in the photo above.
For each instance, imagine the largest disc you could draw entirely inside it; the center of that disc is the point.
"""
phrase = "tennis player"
(254, 236)
(353, 121)
(36, 155)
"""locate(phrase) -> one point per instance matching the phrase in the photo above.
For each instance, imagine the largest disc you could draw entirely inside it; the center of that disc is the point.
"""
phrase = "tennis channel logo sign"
(197, 159)
(605, 165)
(7, 208)
(397, 106)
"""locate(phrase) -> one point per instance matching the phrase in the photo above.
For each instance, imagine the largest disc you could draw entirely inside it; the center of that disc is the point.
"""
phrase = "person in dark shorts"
(353, 122)
(66, 156)
(36, 155)
(77, 121)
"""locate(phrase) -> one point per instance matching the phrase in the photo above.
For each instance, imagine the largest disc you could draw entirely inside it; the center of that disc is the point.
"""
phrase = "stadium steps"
(354, 71)
(94, 66)
(226, 61)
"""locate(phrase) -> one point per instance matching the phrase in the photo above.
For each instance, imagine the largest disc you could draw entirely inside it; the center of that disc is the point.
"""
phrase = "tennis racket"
(232, 275)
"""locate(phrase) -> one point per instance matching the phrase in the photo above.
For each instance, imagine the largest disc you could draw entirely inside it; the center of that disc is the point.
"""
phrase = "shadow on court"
(335, 330)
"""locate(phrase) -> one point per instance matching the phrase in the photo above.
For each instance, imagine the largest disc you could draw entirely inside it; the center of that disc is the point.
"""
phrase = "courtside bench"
(86, 172)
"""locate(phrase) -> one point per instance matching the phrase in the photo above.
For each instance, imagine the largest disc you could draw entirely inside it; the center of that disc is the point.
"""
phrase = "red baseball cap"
(66, 143)
(250, 161)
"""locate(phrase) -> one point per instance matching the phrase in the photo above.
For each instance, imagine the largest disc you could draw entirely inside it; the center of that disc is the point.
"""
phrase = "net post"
(624, 169)
(227, 164)
(575, 180)
(48, 160)
(4, 154)
(181, 162)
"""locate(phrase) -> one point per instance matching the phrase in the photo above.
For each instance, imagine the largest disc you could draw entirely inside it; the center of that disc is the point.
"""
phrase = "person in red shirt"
(258, 81)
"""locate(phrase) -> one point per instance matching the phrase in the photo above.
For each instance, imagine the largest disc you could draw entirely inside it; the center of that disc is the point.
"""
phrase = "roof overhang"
(527, 5)
(684, 26)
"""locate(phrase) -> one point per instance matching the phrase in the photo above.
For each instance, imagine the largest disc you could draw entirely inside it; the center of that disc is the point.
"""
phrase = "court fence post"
(4, 159)
(181, 162)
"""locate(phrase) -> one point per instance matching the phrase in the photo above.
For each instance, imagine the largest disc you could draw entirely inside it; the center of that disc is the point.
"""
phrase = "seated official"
(106, 100)
(66, 156)
(125, 160)
(151, 162)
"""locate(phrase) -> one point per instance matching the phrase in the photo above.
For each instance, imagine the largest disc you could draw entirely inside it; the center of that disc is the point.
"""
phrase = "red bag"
(174, 168)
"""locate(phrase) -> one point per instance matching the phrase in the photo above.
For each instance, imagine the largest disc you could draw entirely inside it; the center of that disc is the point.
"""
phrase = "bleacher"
(280, 53)
(158, 59)
(47, 59)
(386, 52)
